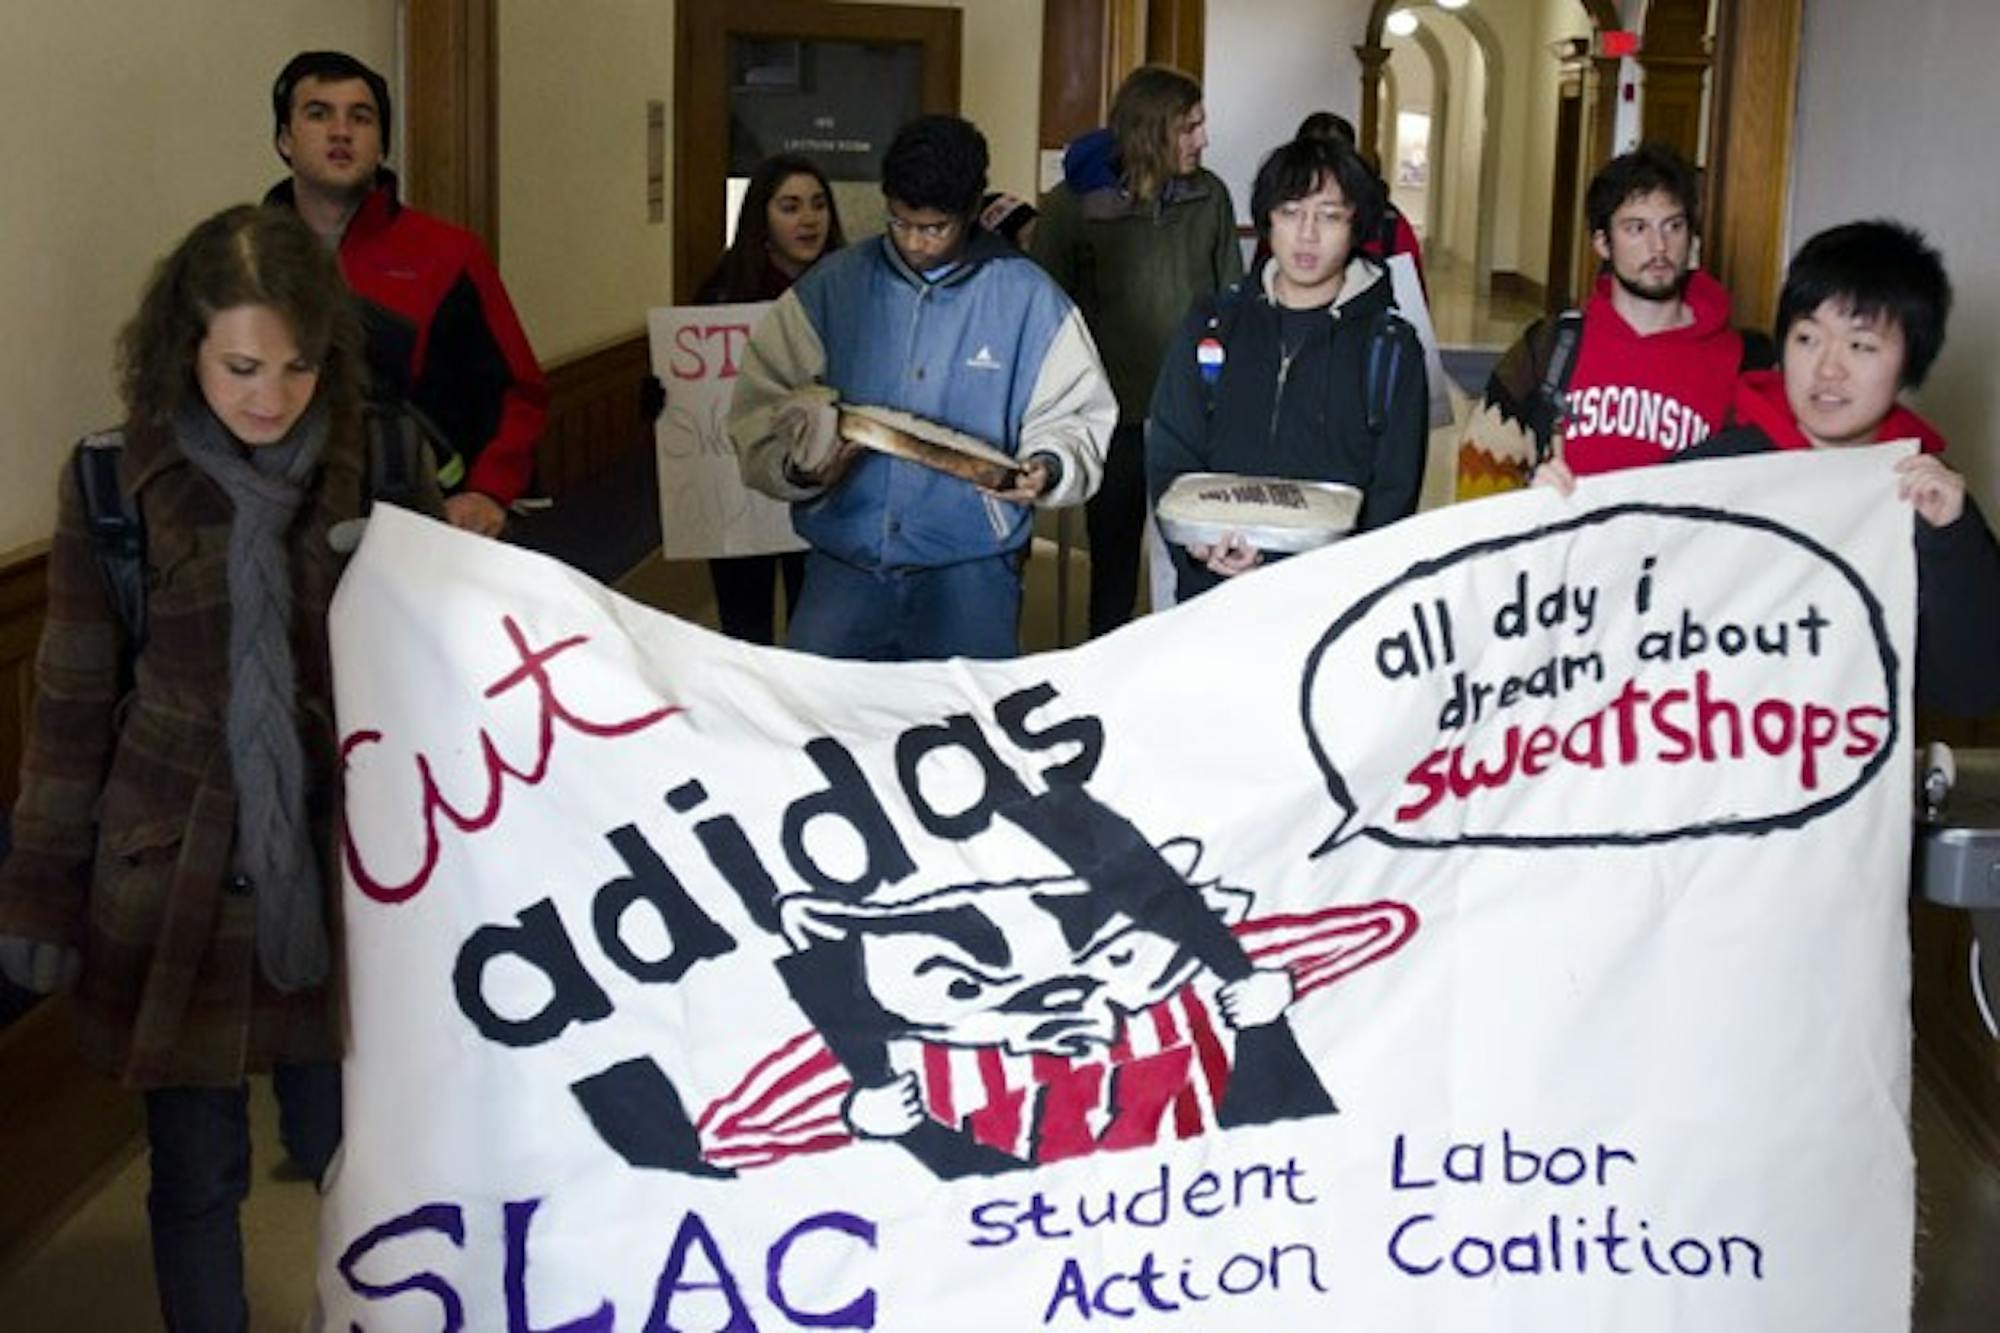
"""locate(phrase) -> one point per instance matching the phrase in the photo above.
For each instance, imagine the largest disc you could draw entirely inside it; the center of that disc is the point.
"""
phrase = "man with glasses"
(1302, 371)
(1649, 370)
(942, 320)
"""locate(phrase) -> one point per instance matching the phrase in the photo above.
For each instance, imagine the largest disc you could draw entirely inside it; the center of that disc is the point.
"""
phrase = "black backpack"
(118, 531)
(1552, 392)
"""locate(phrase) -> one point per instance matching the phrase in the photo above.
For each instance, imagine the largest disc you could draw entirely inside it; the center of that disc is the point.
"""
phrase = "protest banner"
(1491, 922)
(705, 509)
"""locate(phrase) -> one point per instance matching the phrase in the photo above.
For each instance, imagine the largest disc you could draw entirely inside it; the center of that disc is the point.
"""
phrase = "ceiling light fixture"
(1401, 23)
(1453, 4)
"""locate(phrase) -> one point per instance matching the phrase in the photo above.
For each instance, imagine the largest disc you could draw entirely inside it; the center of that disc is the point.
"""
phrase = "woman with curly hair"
(174, 849)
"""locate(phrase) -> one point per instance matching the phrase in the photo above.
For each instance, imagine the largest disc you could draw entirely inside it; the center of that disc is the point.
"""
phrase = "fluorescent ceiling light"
(1452, 4)
(1401, 23)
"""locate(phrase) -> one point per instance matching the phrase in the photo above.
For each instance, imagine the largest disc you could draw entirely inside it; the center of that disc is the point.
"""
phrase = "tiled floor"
(1465, 318)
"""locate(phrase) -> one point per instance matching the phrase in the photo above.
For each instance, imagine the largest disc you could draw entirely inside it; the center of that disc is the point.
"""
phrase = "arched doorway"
(1591, 88)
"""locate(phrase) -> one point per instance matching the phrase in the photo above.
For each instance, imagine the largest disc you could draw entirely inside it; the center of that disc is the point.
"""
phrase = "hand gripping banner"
(1494, 922)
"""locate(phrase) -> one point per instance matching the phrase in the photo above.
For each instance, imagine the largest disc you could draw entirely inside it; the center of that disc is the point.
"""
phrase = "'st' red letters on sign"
(690, 360)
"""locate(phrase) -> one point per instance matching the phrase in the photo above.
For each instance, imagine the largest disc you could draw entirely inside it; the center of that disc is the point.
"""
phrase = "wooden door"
(1565, 206)
(753, 77)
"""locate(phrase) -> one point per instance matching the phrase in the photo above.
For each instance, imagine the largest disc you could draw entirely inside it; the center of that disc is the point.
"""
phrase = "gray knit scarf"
(274, 842)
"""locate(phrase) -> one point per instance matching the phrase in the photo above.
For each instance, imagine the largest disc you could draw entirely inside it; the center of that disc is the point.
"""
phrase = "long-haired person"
(173, 840)
(1136, 234)
(787, 222)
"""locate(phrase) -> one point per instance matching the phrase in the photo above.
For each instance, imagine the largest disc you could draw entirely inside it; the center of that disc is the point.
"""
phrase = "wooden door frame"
(1177, 35)
(1751, 95)
(451, 129)
(1565, 192)
(1088, 47)
(701, 36)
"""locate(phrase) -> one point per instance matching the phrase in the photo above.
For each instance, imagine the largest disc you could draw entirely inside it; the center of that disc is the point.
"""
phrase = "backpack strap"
(1382, 366)
(117, 536)
(397, 435)
(1553, 391)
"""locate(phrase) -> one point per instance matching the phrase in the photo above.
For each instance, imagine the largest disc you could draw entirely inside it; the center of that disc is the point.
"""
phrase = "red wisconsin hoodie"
(1638, 399)
(1760, 402)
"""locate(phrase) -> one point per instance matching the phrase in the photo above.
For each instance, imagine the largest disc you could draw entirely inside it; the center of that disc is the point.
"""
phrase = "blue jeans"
(970, 609)
(200, 1139)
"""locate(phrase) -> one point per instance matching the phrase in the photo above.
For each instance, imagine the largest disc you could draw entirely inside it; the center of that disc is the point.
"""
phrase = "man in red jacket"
(1656, 362)
(441, 332)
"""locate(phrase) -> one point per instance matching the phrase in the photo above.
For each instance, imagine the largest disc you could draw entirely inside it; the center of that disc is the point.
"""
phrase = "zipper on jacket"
(1285, 360)
(916, 323)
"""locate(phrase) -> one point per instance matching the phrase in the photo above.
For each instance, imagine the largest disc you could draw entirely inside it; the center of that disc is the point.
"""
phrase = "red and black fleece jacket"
(442, 333)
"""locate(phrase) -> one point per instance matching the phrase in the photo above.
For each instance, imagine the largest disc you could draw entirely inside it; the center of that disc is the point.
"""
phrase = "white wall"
(1896, 112)
(127, 124)
(1268, 63)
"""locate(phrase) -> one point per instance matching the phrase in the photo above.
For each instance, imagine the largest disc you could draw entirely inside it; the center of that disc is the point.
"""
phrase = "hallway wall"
(1268, 63)
(1895, 114)
(130, 123)
(580, 259)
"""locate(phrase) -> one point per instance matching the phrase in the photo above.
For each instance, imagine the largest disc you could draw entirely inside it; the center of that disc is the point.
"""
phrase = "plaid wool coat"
(126, 819)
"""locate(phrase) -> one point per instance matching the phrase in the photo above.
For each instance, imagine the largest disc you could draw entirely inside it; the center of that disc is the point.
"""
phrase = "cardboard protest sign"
(1495, 921)
(705, 509)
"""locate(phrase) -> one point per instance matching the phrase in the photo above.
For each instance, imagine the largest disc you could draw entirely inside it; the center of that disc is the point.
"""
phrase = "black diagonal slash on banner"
(1271, 1079)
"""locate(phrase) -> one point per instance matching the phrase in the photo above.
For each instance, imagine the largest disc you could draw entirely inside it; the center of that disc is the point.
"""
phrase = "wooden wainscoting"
(62, 1129)
(593, 413)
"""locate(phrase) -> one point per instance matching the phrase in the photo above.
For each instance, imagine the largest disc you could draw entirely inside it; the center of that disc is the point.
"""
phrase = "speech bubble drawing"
(1637, 674)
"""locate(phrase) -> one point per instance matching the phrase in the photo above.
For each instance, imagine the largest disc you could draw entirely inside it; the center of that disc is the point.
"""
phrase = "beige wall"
(580, 259)
(1895, 118)
(128, 123)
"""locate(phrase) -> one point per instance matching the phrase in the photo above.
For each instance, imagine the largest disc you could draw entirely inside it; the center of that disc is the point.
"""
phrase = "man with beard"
(1648, 369)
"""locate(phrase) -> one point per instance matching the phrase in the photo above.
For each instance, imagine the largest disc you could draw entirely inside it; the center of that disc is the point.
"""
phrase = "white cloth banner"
(705, 509)
(1493, 922)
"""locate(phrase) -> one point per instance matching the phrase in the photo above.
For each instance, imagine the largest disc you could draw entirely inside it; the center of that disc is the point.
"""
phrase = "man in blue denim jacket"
(942, 320)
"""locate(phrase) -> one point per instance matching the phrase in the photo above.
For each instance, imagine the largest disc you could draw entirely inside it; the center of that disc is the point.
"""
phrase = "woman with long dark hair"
(174, 847)
(787, 223)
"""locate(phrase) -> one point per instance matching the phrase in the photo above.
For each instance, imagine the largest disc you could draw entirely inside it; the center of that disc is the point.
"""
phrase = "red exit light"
(1614, 43)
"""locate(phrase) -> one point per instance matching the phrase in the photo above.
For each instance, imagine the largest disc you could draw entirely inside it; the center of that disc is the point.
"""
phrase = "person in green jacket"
(1136, 233)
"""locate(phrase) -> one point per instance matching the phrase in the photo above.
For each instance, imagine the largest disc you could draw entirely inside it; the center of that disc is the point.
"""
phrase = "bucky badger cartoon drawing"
(991, 1027)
